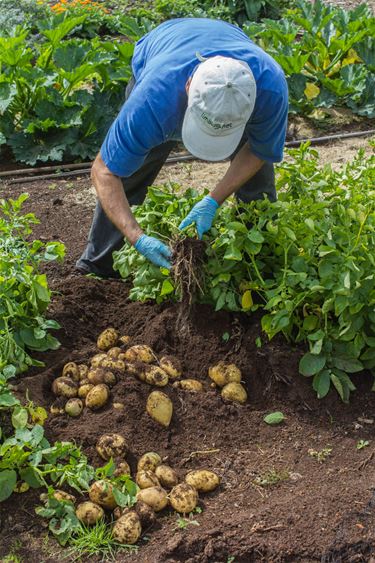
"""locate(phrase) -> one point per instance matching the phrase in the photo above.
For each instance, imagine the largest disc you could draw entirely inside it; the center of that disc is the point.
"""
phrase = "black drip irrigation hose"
(84, 167)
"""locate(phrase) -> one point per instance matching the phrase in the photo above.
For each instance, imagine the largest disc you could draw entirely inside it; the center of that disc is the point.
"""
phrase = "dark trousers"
(104, 237)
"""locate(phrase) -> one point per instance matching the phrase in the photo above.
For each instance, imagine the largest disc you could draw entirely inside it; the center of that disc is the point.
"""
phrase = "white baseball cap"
(221, 100)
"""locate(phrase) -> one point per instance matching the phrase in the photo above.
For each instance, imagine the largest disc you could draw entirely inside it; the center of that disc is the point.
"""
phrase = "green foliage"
(327, 54)
(307, 261)
(97, 541)
(274, 418)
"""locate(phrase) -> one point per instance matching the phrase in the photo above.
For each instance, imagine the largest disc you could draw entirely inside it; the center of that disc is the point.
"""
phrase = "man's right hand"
(154, 250)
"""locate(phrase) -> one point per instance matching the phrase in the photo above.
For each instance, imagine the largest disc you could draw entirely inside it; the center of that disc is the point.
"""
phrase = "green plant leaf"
(8, 480)
(274, 418)
(311, 364)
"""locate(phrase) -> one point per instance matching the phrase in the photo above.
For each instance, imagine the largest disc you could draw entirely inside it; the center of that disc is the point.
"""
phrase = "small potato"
(234, 392)
(172, 366)
(107, 339)
(146, 479)
(146, 513)
(101, 375)
(63, 496)
(97, 397)
(156, 376)
(57, 406)
(122, 468)
(125, 340)
(111, 445)
(192, 385)
(156, 497)
(149, 462)
(101, 492)
(84, 389)
(83, 371)
(97, 360)
(113, 353)
(89, 513)
(183, 498)
(160, 408)
(203, 480)
(224, 373)
(140, 353)
(65, 387)
(74, 407)
(127, 529)
(167, 476)
(71, 370)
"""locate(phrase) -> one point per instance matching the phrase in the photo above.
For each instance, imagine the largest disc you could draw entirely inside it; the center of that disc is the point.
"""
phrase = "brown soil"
(315, 512)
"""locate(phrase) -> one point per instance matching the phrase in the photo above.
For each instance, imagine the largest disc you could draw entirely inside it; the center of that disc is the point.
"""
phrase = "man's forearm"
(112, 197)
(242, 168)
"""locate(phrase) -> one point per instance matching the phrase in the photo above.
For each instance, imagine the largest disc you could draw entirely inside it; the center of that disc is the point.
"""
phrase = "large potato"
(101, 375)
(65, 387)
(109, 364)
(160, 408)
(156, 497)
(234, 392)
(156, 376)
(84, 389)
(146, 479)
(97, 397)
(224, 373)
(127, 529)
(203, 480)
(111, 445)
(149, 462)
(166, 475)
(97, 360)
(107, 339)
(172, 366)
(183, 498)
(89, 513)
(71, 370)
(101, 492)
(74, 407)
(192, 385)
(140, 353)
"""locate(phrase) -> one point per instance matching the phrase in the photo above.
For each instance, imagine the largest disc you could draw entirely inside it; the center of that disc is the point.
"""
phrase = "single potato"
(83, 371)
(172, 366)
(63, 496)
(71, 370)
(84, 389)
(223, 373)
(111, 445)
(160, 408)
(109, 364)
(101, 492)
(65, 387)
(97, 397)
(107, 339)
(192, 385)
(113, 353)
(146, 479)
(149, 462)
(122, 468)
(74, 407)
(156, 376)
(203, 480)
(101, 375)
(89, 513)
(97, 360)
(140, 353)
(127, 529)
(167, 476)
(156, 497)
(126, 339)
(183, 498)
(146, 514)
(234, 392)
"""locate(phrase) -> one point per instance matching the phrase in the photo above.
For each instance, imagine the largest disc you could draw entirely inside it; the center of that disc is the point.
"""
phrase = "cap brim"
(205, 146)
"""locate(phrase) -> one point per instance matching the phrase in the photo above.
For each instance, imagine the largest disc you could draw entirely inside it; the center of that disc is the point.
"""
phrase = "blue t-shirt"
(162, 63)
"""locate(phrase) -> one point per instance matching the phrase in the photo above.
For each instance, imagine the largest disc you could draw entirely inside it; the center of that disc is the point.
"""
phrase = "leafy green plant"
(271, 477)
(362, 444)
(274, 418)
(320, 455)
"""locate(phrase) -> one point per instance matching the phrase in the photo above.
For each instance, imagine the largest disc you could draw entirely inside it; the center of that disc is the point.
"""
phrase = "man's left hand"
(202, 215)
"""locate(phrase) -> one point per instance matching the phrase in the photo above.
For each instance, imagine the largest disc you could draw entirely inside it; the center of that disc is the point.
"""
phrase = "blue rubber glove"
(202, 215)
(154, 250)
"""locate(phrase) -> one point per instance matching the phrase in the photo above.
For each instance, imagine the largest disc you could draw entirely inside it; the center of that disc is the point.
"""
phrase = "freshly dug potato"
(101, 375)
(113, 353)
(234, 392)
(89, 513)
(160, 408)
(172, 366)
(224, 373)
(167, 476)
(192, 385)
(101, 492)
(84, 389)
(203, 480)
(156, 376)
(83, 371)
(122, 468)
(183, 498)
(97, 360)
(74, 407)
(149, 462)
(118, 406)
(127, 529)
(97, 397)
(109, 364)
(107, 339)
(58, 406)
(65, 387)
(71, 370)
(146, 479)
(156, 497)
(62, 495)
(140, 353)
(125, 339)
(146, 513)
(111, 445)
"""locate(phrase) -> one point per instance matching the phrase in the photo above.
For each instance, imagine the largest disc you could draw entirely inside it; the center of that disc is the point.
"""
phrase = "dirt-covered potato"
(156, 376)
(172, 366)
(101, 375)
(111, 445)
(109, 364)
(65, 387)
(107, 339)
(192, 385)
(146, 479)
(83, 371)
(127, 529)
(63, 496)
(223, 373)
(74, 407)
(58, 406)
(156, 497)
(89, 513)
(101, 492)
(149, 462)
(97, 397)
(84, 389)
(160, 408)
(234, 392)
(203, 480)
(167, 476)
(146, 513)
(97, 360)
(140, 353)
(183, 498)
(71, 370)
(122, 468)
(113, 353)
